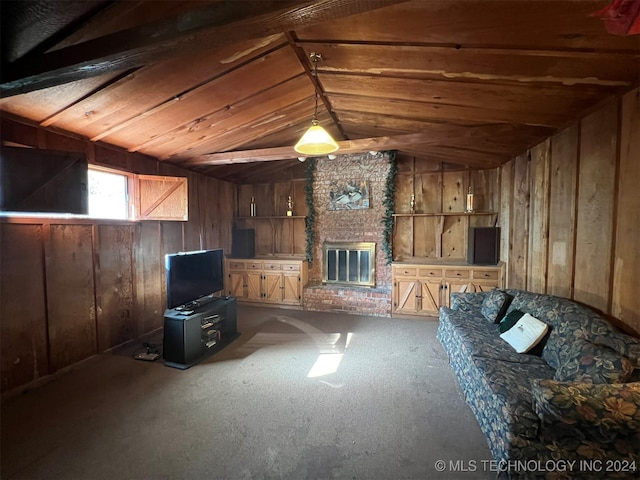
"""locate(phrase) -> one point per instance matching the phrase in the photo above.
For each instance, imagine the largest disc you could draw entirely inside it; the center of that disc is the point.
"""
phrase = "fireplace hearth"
(349, 263)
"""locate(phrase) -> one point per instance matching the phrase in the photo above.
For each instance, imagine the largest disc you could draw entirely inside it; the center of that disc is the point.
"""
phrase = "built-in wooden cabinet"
(421, 289)
(267, 280)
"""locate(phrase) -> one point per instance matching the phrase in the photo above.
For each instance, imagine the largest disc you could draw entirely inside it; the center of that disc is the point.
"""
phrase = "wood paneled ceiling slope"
(226, 87)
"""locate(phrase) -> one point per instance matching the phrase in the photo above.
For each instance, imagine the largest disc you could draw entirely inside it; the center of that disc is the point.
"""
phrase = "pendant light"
(316, 140)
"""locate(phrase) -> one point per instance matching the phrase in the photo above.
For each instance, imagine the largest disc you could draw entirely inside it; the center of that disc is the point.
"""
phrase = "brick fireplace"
(349, 226)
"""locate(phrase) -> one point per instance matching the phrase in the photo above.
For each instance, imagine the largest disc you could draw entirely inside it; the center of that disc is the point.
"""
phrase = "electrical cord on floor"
(150, 353)
(151, 348)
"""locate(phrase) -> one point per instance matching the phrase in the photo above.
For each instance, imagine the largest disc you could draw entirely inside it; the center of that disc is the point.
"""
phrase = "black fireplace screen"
(349, 263)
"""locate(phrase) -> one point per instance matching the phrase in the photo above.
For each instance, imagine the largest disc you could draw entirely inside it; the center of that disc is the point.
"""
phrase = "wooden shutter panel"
(161, 198)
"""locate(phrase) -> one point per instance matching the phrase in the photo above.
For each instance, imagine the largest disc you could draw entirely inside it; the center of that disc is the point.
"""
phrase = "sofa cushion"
(525, 334)
(510, 320)
(569, 322)
(604, 411)
(494, 305)
(469, 302)
(589, 363)
(505, 388)
(622, 343)
(568, 318)
(475, 336)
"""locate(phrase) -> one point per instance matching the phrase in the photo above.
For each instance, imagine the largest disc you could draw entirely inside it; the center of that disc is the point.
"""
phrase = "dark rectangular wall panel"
(244, 243)
(33, 180)
(483, 245)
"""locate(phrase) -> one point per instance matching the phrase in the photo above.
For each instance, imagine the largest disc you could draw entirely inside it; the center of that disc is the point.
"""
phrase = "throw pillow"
(494, 305)
(606, 412)
(595, 364)
(510, 320)
(525, 334)
(469, 302)
(539, 347)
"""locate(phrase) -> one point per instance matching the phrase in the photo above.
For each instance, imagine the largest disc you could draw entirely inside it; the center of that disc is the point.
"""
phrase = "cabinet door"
(236, 287)
(291, 291)
(482, 287)
(272, 287)
(430, 293)
(456, 286)
(254, 286)
(405, 295)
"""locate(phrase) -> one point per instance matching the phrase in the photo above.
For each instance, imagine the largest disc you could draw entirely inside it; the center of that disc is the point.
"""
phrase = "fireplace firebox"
(349, 263)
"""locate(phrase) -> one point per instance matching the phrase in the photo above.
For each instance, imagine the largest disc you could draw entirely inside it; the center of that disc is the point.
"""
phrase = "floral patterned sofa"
(570, 411)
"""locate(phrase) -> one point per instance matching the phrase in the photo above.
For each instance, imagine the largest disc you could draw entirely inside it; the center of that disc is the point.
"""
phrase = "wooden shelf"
(271, 217)
(443, 214)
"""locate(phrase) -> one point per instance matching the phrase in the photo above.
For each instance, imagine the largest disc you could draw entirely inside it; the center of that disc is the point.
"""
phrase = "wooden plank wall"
(440, 188)
(625, 301)
(276, 234)
(73, 288)
(573, 210)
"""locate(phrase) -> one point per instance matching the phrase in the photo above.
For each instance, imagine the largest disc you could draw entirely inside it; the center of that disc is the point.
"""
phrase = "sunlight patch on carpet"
(326, 364)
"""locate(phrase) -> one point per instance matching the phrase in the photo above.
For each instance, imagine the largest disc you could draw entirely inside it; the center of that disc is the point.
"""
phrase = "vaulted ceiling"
(226, 87)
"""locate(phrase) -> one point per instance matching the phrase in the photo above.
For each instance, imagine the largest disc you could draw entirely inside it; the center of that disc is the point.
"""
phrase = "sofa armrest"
(470, 302)
(603, 412)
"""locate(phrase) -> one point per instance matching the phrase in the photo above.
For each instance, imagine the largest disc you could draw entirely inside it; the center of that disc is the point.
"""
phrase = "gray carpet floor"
(299, 395)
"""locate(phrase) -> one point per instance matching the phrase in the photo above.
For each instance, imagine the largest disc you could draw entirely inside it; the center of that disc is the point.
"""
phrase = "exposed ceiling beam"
(211, 27)
(281, 153)
(35, 25)
(434, 137)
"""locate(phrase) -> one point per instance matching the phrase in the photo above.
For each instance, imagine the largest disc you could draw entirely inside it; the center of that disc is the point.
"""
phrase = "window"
(108, 194)
(47, 183)
(117, 195)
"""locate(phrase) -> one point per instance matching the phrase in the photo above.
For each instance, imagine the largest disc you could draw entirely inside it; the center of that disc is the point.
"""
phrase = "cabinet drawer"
(254, 265)
(405, 272)
(485, 274)
(430, 272)
(236, 265)
(272, 266)
(456, 273)
(291, 267)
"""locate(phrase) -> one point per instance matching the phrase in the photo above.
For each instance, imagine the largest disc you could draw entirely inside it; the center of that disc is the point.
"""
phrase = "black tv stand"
(197, 330)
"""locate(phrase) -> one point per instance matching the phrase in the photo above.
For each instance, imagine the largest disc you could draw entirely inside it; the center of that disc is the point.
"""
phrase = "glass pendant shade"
(316, 141)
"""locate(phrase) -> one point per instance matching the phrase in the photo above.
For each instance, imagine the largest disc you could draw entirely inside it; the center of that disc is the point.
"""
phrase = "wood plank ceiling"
(226, 88)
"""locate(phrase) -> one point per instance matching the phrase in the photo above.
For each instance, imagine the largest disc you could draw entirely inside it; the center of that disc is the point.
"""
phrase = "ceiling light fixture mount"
(316, 140)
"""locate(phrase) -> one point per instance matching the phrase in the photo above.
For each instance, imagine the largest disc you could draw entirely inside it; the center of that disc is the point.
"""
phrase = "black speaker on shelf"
(243, 243)
(483, 246)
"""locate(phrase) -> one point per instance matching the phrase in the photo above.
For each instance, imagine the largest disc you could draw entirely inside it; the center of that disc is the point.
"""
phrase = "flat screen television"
(192, 275)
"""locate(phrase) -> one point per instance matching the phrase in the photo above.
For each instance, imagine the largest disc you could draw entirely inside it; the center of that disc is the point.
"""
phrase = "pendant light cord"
(315, 58)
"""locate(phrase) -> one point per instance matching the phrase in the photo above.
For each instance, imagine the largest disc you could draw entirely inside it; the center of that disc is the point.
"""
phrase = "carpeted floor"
(299, 395)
